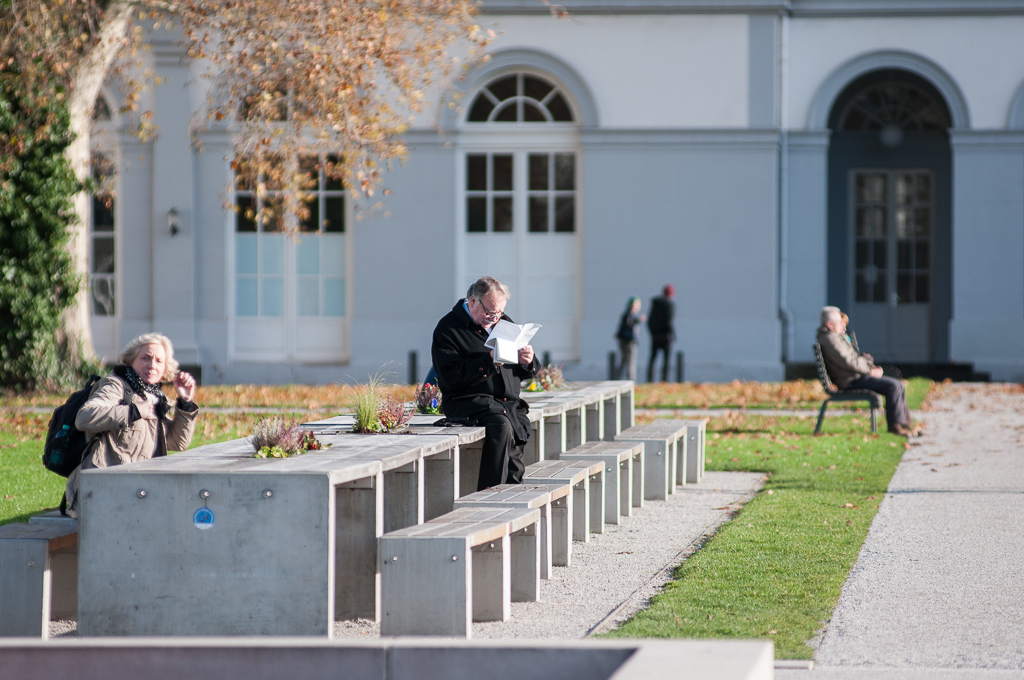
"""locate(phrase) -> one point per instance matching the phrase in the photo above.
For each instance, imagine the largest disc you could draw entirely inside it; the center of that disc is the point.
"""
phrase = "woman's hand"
(185, 384)
(147, 410)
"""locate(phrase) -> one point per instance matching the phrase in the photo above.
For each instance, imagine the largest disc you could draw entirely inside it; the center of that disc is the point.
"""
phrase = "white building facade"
(764, 157)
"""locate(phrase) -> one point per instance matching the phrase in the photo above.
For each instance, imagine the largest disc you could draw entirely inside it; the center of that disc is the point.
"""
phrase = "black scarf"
(141, 388)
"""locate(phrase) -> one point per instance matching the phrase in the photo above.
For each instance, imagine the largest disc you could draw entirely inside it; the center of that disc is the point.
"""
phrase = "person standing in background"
(659, 323)
(626, 335)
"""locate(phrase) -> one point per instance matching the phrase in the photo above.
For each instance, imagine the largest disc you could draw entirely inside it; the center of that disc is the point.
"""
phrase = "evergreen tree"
(37, 280)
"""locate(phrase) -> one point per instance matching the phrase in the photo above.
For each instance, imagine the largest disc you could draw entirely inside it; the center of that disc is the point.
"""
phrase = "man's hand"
(876, 372)
(526, 355)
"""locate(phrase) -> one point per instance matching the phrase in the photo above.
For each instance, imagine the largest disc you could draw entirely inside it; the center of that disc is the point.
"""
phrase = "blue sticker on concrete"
(203, 518)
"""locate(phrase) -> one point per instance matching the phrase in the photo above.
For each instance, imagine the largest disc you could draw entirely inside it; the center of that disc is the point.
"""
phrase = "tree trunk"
(87, 81)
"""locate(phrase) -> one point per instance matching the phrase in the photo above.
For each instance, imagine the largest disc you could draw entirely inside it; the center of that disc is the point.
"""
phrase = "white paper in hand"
(507, 338)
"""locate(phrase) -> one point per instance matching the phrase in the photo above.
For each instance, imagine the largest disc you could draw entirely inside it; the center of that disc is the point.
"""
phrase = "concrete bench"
(38, 575)
(663, 456)
(554, 502)
(624, 474)
(468, 565)
(696, 433)
(587, 481)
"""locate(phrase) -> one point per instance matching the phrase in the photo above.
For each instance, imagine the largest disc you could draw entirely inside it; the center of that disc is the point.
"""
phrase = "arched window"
(520, 98)
(520, 196)
(892, 101)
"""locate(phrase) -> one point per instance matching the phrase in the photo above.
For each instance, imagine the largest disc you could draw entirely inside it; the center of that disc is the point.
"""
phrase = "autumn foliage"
(736, 394)
(287, 77)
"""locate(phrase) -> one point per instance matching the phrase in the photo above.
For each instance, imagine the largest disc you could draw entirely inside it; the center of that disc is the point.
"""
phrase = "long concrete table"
(581, 412)
(215, 542)
(449, 473)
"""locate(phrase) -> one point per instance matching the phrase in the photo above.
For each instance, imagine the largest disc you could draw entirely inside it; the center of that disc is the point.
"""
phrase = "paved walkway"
(938, 589)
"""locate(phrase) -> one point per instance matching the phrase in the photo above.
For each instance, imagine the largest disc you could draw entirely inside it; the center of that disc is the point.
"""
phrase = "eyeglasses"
(488, 314)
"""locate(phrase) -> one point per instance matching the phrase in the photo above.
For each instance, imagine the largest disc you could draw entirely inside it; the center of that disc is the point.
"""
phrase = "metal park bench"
(835, 394)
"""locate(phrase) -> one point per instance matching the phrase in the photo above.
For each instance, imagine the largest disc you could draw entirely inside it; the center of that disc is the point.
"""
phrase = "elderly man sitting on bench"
(850, 369)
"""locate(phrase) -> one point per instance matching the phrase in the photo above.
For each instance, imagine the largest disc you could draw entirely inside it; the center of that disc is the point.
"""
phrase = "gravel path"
(614, 574)
(938, 588)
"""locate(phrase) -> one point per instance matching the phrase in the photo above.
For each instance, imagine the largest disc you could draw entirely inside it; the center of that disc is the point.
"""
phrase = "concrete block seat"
(587, 480)
(468, 565)
(663, 454)
(553, 501)
(38, 575)
(696, 434)
(624, 474)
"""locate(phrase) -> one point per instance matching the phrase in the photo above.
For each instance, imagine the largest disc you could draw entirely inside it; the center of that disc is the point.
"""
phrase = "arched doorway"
(889, 211)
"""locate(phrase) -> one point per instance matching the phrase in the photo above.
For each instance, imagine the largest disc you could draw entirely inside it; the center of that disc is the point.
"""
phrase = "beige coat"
(843, 363)
(119, 441)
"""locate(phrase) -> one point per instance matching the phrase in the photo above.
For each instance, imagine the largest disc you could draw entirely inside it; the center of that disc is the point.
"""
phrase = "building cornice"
(907, 8)
(716, 139)
(794, 8)
(582, 7)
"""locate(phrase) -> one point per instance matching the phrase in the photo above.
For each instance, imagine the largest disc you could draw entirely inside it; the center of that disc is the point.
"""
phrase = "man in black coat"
(659, 323)
(474, 387)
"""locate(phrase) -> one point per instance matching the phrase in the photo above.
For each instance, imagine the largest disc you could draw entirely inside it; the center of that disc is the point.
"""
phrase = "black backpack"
(65, 444)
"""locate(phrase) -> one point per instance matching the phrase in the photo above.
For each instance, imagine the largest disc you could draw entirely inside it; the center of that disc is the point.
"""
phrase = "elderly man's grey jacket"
(843, 363)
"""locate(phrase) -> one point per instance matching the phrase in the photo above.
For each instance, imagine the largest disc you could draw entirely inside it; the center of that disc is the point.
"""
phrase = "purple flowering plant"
(428, 399)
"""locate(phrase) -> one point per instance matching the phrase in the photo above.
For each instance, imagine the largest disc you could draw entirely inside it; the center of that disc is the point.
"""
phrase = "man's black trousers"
(501, 461)
(665, 347)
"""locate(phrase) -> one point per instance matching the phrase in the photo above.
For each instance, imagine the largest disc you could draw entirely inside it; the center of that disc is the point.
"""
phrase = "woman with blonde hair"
(127, 418)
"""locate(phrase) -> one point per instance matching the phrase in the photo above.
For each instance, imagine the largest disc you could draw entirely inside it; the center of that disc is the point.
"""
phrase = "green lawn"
(776, 570)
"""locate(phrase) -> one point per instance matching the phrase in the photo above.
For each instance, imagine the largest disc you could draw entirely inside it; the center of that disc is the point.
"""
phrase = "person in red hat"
(659, 323)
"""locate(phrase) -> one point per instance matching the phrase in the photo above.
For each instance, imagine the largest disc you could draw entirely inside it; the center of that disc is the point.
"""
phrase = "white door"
(291, 293)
